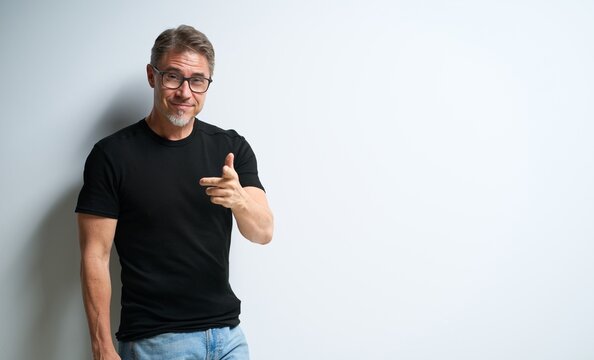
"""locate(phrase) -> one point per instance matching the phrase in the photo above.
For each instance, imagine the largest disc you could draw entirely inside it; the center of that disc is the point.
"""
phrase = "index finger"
(210, 181)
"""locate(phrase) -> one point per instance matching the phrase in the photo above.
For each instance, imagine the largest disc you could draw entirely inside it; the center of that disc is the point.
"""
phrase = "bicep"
(96, 234)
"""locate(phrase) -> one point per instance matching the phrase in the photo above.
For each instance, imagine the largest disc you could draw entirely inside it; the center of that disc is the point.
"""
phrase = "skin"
(96, 238)
(181, 102)
(249, 205)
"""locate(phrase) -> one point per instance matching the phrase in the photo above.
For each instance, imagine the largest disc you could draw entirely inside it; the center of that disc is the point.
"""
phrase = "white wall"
(429, 164)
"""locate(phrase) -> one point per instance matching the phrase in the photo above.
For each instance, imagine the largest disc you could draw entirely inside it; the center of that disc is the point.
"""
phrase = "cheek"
(200, 98)
(165, 97)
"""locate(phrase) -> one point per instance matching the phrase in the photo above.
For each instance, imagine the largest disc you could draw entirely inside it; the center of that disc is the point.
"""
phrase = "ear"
(150, 75)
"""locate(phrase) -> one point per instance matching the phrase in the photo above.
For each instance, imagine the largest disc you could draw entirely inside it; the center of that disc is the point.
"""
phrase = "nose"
(184, 90)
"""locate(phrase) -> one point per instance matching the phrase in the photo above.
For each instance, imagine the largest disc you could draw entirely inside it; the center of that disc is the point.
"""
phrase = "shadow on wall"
(56, 329)
(129, 104)
(54, 276)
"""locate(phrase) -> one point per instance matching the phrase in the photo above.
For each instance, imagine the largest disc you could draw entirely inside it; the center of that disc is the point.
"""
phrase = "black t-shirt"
(173, 243)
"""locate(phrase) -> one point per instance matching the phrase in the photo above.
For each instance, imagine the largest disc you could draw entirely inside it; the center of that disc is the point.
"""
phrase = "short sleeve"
(246, 165)
(99, 195)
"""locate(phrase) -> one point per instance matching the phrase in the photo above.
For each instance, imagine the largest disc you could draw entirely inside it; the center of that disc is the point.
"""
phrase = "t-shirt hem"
(134, 336)
(96, 212)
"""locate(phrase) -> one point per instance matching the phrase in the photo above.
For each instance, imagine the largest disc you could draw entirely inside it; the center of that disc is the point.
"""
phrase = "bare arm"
(254, 217)
(249, 204)
(96, 238)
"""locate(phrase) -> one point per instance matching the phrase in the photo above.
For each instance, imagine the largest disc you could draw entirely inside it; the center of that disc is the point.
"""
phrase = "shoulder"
(122, 136)
(215, 131)
(225, 140)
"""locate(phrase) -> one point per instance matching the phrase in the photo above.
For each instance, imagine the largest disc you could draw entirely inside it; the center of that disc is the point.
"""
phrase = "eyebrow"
(173, 68)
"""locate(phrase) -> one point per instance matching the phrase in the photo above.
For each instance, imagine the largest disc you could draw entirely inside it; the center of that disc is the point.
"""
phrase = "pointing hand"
(225, 190)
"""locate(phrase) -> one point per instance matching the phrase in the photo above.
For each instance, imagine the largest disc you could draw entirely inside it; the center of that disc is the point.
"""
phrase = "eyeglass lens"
(174, 81)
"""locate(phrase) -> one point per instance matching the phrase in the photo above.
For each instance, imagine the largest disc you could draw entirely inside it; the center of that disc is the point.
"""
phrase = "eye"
(172, 76)
(198, 80)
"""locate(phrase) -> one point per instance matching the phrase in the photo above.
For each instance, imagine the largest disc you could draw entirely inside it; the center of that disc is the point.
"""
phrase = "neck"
(164, 128)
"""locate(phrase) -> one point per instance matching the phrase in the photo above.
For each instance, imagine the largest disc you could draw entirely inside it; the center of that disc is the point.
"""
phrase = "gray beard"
(178, 121)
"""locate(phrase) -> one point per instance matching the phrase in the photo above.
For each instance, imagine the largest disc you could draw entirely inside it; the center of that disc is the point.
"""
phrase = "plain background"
(429, 164)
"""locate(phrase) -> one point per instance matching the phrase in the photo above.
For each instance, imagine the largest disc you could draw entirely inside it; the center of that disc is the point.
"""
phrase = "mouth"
(182, 105)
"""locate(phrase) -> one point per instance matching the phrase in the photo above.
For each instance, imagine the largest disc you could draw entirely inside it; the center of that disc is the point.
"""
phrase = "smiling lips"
(182, 106)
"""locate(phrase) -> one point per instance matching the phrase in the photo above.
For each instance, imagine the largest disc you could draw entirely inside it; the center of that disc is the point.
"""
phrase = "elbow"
(262, 238)
(266, 238)
(267, 234)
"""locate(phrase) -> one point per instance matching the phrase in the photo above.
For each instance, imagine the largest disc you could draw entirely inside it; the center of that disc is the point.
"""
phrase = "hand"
(110, 354)
(112, 357)
(226, 190)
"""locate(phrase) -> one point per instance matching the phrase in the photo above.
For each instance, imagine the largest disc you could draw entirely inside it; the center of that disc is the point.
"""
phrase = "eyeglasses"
(173, 80)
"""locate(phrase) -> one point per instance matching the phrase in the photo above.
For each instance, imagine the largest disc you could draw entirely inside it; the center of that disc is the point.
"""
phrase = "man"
(164, 190)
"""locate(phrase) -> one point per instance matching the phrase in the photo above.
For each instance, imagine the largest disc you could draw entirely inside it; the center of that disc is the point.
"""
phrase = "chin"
(178, 120)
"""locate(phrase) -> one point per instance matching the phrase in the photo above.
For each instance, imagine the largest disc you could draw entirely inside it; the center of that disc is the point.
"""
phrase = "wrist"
(104, 352)
(103, 347)
(243, 203)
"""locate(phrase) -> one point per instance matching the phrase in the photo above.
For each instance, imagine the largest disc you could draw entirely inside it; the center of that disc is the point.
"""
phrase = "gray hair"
(183, 38)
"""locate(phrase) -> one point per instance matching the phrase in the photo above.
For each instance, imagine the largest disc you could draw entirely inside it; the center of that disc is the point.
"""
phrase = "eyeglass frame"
(183, 80)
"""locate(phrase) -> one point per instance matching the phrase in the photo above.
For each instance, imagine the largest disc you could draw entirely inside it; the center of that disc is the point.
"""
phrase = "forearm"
(255, 221)
(96, 287)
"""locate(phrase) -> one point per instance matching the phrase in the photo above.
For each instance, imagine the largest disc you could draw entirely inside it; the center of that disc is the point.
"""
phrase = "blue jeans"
(213, 344)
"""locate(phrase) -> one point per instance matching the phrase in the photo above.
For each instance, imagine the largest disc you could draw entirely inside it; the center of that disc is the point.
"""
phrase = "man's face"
(179, 105)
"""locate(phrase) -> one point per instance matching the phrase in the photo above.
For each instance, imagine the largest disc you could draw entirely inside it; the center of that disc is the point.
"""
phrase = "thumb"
(228, 170)
(229, 160)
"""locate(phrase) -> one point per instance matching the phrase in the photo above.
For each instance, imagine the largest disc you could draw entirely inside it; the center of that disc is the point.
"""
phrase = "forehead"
(186, 62)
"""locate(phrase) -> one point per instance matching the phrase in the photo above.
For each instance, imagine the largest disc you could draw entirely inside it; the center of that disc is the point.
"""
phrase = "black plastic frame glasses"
(180, 79)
